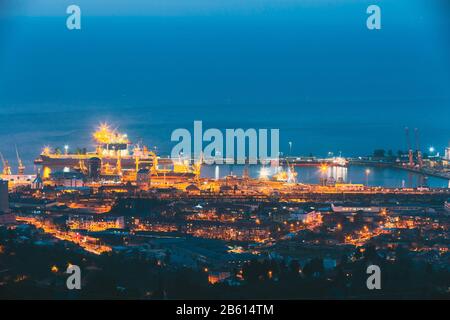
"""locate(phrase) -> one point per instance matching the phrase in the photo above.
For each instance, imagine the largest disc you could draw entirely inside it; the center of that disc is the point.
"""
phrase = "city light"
(323, 168)
(201, 213)
(264, 173)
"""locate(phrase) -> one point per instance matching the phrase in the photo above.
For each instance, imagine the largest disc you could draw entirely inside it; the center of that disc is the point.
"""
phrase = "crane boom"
(21, 167)
(6, 167)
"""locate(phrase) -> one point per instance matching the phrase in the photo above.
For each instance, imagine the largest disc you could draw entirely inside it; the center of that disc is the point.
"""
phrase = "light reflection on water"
(383, 177)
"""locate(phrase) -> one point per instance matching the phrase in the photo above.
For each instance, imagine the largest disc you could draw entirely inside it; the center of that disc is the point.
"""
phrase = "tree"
(294, 266)
(370, 253)
(379, 153)
(314, 268)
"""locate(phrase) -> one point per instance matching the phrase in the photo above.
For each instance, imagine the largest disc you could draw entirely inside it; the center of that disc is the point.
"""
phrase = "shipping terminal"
(116, 158)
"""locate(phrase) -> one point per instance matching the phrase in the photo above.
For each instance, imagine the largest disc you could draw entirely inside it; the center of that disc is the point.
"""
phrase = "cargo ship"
(114, 155)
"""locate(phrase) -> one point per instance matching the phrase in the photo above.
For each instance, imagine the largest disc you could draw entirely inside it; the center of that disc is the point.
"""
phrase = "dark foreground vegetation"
(29, 270)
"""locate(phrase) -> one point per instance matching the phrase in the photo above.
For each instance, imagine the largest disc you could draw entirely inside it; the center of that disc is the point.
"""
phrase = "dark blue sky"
(310, 68)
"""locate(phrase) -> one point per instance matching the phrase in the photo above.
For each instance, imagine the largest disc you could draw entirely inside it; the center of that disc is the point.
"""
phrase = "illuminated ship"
(114, 155)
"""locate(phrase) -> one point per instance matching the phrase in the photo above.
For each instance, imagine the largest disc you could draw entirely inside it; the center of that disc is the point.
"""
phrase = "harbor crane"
(410, 151)
(6, 167)
(419, 153)
(197, 167)
(21, 167)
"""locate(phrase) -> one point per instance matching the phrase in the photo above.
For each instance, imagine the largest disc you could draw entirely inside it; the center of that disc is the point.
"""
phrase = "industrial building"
(6, 217)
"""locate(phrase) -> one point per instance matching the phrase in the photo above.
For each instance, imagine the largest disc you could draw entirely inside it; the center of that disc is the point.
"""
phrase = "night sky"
(310, 68)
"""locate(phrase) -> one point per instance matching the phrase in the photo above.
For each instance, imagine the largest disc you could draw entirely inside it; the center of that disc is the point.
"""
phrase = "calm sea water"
(383, 177)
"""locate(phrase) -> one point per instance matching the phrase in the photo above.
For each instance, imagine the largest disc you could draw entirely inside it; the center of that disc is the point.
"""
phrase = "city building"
(94, 168)
(355, 208)
(447, 153)
(68, 179)
(37, 183)
(16, 180)
(6, 217)
(217, 277)
(95, 224)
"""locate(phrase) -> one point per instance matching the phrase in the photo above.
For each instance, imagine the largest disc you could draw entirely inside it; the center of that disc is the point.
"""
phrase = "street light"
(66, 148)
(431, 149)
(264, 173)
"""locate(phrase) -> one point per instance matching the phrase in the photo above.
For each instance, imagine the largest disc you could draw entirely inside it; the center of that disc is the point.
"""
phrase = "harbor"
(116, 159)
